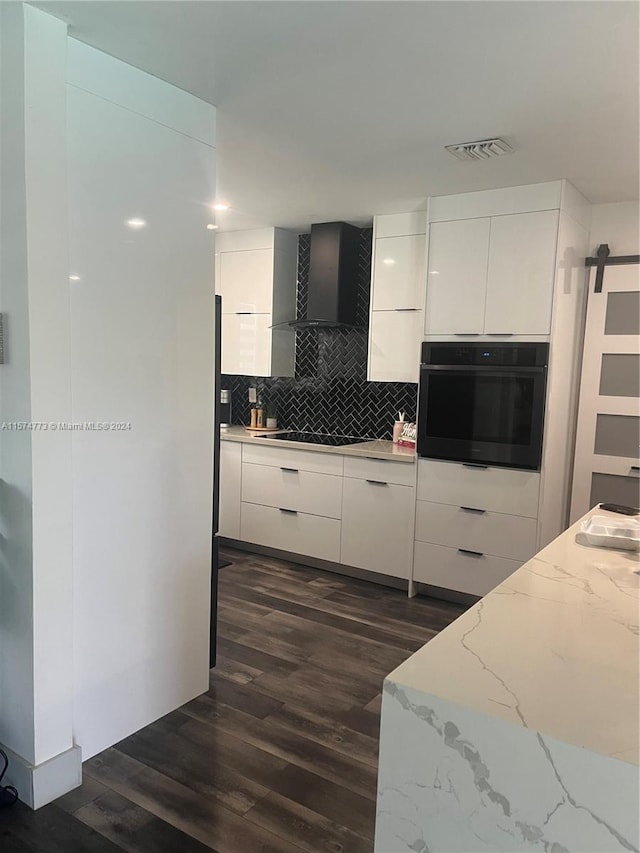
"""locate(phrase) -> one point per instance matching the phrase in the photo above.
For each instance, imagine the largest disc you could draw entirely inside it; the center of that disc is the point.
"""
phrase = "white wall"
(142, 353)
(105, 536)
(35, 511)
(617, 224)
(16, 579)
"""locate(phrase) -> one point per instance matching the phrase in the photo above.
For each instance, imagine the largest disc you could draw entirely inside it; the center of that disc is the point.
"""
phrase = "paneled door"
(607, 466)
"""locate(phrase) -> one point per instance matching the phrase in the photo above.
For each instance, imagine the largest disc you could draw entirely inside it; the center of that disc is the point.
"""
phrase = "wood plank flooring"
(280, 755)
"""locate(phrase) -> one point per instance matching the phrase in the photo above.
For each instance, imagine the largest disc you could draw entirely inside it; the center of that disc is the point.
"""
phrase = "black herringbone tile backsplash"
(330, 392)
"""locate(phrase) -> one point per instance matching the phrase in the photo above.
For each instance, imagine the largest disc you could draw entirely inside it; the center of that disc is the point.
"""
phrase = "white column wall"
(36, 574)
(46, 186)
(142, 353)
(16, 579)
(105, 537)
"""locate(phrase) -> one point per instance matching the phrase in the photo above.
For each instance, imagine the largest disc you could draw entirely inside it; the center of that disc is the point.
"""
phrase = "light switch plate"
(253, 395)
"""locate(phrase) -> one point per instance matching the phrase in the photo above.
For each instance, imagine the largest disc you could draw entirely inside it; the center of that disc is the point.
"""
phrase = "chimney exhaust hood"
(333, 269)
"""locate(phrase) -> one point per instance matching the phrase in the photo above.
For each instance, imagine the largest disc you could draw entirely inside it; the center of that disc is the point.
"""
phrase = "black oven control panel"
(499, 355)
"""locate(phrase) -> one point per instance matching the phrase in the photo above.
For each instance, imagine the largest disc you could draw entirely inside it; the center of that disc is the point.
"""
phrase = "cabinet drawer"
(290, 488)
(450, 569)
(376, 527)
(400, 473)
(493, 533)
(299, 533)
(282, 457)
(497, 489)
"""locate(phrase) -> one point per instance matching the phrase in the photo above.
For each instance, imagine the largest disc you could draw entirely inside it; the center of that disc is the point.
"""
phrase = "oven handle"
(483, 368)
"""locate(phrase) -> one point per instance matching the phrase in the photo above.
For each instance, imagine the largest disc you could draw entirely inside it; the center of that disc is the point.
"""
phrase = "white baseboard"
(39, 784)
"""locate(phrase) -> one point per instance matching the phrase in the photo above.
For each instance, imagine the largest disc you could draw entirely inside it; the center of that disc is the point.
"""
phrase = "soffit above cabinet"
(500, 202)
(400, 224)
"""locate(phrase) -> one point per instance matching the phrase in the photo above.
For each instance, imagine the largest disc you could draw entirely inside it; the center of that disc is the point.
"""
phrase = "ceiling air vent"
(483, 149)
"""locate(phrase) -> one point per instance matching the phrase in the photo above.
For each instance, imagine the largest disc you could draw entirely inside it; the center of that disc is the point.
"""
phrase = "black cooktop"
(316, 438)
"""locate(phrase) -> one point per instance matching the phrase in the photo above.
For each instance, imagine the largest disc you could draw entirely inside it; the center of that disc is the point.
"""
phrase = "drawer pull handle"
(406, 309)
(472, 509)
(474, 465)
(244, 313)
(471, 553)
(377, 483)
(291, 470)
(635, 467)
(288, 511)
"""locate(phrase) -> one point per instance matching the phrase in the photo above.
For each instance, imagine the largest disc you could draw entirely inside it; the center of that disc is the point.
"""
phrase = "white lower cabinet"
(506, 490)
(451, 568)
(291, 488)
(288, 530)
(229, 498)
(475, 525)
(492, 533)
(376, 526)
(468, 530)
(299, 501)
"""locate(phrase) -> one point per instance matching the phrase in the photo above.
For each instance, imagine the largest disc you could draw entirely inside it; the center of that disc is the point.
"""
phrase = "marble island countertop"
(376, 449)
(517, 727)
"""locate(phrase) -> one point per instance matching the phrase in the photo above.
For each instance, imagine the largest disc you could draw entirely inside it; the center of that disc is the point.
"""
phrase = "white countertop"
(553, 649)
(373, 449)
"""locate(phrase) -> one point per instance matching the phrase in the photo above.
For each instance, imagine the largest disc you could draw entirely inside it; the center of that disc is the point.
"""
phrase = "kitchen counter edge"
(376, 449)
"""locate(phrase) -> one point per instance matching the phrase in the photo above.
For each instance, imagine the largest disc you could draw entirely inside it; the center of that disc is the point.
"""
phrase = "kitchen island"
(517, 727)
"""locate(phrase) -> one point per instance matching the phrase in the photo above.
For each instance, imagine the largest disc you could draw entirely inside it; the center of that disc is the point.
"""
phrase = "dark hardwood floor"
(280, 755)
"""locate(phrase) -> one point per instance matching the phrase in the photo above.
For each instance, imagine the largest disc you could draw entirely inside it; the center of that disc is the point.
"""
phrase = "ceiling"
(339, 110)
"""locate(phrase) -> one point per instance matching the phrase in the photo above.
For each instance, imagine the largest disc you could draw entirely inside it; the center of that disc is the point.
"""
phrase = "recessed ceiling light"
(136, 223)
(212, 227)
(74, 278)
(220, 206)
(388, 261)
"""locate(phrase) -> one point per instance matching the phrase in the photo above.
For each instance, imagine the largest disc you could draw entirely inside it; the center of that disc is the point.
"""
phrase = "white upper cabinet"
(398, 283)
(394, 346)
(256, 275)
(246, 344)
(520, 277)
(398, 263)
(457, 276)
(492, 275)
(246, 281)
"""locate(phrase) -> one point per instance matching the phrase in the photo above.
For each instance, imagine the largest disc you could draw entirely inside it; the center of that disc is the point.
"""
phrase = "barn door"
(606, 465)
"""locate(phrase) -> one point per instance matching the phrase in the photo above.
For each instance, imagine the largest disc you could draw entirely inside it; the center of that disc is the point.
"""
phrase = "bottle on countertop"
(260, 415)
(254, 417)
(397, 427)
(225, 408)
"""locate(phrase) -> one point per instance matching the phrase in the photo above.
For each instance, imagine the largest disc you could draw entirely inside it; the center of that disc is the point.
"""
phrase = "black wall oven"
(483, 403)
